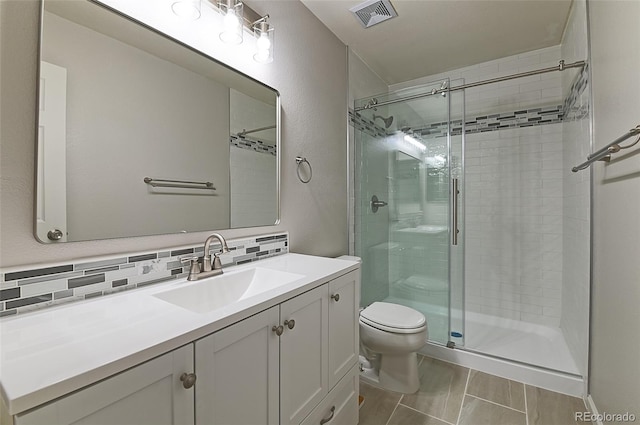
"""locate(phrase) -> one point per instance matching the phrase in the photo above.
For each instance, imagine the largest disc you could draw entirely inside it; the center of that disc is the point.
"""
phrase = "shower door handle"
(455, 191)
(375, 204)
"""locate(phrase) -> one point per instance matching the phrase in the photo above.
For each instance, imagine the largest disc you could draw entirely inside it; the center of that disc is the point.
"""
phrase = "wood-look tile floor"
(456, 395)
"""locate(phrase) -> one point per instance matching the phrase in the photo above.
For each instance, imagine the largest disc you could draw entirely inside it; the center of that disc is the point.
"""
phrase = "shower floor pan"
(521, 351)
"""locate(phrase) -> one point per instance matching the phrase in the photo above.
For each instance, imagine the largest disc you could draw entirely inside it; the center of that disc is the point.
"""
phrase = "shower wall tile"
(509, 199)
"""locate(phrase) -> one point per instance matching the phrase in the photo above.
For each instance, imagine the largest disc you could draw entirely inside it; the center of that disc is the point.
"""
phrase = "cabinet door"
(344, 300)
(303, 354)
(150, 393)
(238, 372)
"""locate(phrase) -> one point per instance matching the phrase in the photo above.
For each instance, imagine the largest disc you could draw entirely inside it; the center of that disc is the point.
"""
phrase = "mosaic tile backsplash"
(29, 289)
(252, 144)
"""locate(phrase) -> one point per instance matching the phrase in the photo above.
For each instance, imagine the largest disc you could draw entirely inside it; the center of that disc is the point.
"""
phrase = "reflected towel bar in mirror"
(178, 183)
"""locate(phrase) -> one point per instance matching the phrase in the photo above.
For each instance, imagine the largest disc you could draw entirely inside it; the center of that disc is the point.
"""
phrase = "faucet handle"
(195, 266)
(217, 263)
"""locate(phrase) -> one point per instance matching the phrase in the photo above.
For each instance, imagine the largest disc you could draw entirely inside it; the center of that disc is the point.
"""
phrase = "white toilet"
(390, 335)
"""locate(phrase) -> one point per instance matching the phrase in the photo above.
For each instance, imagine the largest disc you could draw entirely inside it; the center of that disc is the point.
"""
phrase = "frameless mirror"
(138, 134)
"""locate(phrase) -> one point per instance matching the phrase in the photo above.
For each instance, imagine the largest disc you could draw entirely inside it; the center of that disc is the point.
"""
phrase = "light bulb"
(230, 21)
(232, 27)
(263, 42)
(261, 56)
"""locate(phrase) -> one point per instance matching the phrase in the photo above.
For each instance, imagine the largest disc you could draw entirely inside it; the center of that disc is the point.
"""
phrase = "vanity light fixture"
(187, 9)
(264, 40)
(232, 21)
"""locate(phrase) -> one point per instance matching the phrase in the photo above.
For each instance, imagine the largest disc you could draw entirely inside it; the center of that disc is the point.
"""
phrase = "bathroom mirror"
(139, 134)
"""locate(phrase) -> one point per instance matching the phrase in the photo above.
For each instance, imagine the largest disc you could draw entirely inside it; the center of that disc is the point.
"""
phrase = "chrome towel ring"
(301, 160)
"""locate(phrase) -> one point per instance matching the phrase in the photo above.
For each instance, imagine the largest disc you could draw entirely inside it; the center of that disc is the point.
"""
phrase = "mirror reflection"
(141, 135)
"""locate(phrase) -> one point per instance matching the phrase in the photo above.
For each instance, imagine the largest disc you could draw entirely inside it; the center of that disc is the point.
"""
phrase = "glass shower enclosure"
(408, 165)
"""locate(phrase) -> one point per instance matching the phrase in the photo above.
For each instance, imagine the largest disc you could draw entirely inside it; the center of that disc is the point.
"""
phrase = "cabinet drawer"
(340, 406)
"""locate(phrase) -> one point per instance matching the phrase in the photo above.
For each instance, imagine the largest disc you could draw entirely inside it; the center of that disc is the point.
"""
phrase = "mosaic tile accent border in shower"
(366, 125)
(23, 290)
(493, 122)
(252, 144)
(570, 110)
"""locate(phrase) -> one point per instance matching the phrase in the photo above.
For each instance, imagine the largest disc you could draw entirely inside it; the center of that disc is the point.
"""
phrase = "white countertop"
(49, 353)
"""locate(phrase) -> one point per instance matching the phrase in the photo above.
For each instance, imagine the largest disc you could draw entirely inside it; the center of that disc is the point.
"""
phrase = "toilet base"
(398, 373)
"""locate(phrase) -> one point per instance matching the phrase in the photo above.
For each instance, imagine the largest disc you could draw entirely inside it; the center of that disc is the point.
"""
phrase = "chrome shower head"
(387, 121)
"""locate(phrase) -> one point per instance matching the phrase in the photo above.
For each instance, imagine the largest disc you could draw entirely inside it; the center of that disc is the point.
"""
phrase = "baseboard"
(592, 407)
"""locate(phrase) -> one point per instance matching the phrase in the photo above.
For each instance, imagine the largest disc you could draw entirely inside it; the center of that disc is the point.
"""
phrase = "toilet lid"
(393, 316)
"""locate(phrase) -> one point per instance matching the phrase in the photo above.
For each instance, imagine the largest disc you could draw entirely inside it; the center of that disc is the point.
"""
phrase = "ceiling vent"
(372, 12)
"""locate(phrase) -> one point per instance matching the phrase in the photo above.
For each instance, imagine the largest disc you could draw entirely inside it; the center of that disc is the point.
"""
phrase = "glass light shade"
(232, 21)
(187, 9)
(264, 42)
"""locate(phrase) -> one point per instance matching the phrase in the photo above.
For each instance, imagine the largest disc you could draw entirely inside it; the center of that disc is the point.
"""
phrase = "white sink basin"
(219, 291)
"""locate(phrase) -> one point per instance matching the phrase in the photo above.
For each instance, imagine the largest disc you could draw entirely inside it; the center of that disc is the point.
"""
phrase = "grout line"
(464, 394)
(426, 414)
(497, 404)
(394, 411)
(526, 407)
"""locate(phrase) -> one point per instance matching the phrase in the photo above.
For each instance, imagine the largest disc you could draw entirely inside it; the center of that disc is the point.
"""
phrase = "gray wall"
(615, 316)
(109, 153)
(313, 88)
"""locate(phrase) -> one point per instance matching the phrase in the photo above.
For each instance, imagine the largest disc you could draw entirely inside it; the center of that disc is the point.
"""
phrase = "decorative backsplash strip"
(252, 144)
(30, 289)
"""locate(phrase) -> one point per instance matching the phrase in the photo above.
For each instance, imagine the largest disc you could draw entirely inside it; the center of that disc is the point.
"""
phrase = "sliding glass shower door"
(408, 164)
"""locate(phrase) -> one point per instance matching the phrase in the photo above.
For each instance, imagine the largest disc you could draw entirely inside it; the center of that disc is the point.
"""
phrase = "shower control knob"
(290, 323)
(335, 297)
(188, 380)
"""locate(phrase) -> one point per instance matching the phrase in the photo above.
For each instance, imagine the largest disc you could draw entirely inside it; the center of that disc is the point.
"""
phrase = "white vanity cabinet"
(149, 394)
(294, 363)
(281, 365)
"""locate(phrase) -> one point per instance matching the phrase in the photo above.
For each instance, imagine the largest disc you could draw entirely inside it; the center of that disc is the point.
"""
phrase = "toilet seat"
(393, 318)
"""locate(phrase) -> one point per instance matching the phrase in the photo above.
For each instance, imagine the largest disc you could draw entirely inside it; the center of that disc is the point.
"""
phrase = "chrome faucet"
(208, 269)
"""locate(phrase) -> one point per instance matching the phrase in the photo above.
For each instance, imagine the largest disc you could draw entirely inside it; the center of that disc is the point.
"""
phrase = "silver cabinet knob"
(278, 330)
(290, 323)
(188, 380)
(55, 234)
(328, 419)
(335, 297)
